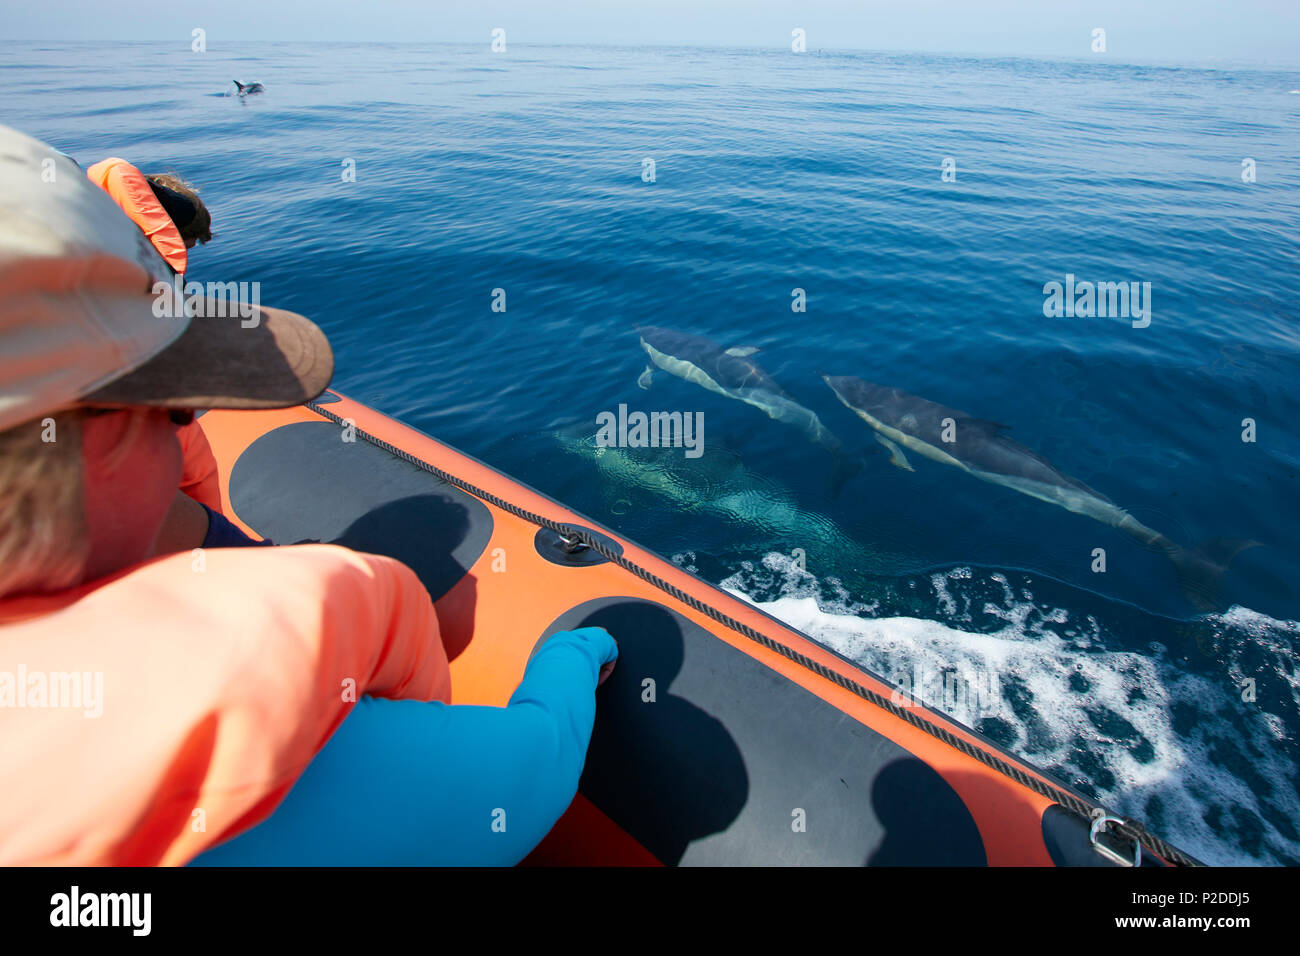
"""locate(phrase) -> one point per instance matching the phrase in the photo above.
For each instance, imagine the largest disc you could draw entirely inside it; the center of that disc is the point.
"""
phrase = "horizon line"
(1202, 62)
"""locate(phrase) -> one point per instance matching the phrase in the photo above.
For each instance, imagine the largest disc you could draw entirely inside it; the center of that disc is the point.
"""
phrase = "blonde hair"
(44, 543)
(43, 540)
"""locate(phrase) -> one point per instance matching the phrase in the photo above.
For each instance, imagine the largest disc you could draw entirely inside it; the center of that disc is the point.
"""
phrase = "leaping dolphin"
(242, 90)
(979, 447)
(731, 372)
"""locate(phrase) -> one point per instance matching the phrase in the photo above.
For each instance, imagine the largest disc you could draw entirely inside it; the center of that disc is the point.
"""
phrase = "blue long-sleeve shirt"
(222, 533)
(404, 782)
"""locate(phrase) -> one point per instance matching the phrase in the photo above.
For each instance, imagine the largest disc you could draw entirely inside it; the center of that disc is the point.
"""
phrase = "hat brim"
(271, 359)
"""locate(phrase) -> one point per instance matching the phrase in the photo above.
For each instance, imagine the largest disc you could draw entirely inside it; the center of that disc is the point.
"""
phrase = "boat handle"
(1099, 822)
(571, 542)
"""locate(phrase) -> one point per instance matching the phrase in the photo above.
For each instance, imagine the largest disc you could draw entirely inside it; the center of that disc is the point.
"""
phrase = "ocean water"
(823, 172)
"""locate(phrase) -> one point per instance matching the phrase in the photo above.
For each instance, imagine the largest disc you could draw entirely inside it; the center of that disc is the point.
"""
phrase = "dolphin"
(720, 486)
(980, 448)
(732, 373)
(247, 90)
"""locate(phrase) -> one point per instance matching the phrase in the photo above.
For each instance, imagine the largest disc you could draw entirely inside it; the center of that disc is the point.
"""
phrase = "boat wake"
(1200, 746)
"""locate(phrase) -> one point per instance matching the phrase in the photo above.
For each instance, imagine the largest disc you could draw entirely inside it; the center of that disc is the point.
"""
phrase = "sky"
(1265, 32)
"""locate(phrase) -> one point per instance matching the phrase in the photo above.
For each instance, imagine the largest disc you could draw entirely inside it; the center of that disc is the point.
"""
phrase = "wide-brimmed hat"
(90, 313)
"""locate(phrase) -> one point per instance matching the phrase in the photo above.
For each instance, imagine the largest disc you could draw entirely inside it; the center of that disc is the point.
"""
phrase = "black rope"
(1131, 829)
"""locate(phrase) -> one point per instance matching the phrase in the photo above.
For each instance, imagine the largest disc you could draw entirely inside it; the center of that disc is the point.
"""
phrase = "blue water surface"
(773, 172)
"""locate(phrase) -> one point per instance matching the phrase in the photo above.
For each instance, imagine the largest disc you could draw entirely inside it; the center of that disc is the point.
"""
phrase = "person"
(171, 215)
(153, 708)
(167, 209)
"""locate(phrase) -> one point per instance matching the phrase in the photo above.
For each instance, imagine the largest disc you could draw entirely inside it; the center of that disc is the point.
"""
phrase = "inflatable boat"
(723, 737)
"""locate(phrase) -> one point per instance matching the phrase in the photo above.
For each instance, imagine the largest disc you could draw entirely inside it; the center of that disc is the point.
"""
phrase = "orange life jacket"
(150, 715)
(198, 466)
(132, 192)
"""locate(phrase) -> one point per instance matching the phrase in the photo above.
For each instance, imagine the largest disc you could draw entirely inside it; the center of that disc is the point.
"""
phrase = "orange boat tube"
(723, 737)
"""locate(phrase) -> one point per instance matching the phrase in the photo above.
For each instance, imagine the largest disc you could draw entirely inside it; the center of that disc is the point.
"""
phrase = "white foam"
(1047, 682)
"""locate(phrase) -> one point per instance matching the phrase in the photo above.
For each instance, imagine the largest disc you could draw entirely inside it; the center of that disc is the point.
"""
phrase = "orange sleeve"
(218, 676)
(129, 188)
(199, 477)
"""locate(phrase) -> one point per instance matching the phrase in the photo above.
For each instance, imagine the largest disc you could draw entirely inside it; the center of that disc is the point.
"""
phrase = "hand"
(608, 667)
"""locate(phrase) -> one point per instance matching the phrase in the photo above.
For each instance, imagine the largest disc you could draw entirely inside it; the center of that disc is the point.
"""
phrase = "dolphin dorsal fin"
(743, 351)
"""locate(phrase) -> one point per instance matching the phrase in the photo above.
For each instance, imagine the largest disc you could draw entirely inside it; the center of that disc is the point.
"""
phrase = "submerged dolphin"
(900, 421)
(732, 373)
(251, 88)
(720, 486)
